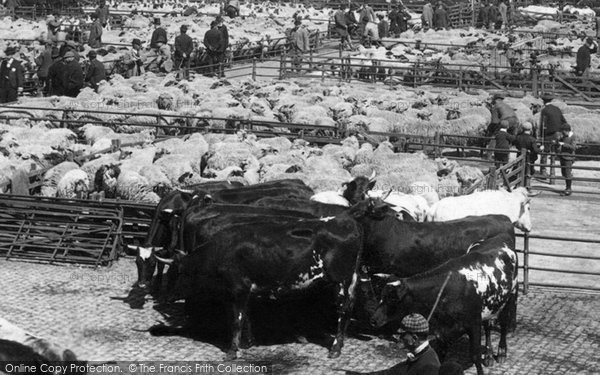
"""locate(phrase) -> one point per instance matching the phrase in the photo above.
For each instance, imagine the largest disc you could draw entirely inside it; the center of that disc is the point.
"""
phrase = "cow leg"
(346, 305)
(505, 319)
(474, 332)
(240, 310)
(160, 268)
(247, 339)
(488, 359)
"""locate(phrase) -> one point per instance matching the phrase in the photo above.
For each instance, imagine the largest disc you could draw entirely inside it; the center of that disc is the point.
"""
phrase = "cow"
(515, 205)
(272, 256)
(474, 288)
(160, 231)
(408, 206)
(353, 192)
(249, 194)
(44, 348)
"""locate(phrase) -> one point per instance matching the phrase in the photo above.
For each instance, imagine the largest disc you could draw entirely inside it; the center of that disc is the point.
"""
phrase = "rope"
(437, 300)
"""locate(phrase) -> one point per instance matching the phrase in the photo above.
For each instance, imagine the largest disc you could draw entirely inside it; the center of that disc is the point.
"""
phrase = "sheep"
(132, 186)
(54, 175)
(105, 180)
(74, 184)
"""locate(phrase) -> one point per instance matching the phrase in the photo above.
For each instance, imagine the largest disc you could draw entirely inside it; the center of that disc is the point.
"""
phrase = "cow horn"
(386, 195)
(164, 260)
(372, 177)
(185, 191)
(180, 252)
(168, 210)
(132, 247)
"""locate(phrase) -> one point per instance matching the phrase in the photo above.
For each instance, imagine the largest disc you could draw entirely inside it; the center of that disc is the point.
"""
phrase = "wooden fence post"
(115, 145)
(254, 68)
(492, 180)
(525, 171)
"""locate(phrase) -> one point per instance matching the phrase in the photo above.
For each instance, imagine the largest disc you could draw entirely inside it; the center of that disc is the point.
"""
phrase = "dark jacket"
(56, 72)
(213, 40)
(502, 111)
(552, 120)
(567, 150)
(528, 142)
(72, 79)
(484, 15)
(440, 18)
(95, 73)
(183, 44)
(11, 76)
(102, 14)
(224, 37)
(43, 61)
(159, 35)
(95, 40)
(584, 58)
(503, 141)
(384, 29)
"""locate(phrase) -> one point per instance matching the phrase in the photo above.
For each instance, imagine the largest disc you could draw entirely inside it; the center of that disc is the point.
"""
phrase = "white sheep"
(132, 186)
(54, 175)
(74, 184)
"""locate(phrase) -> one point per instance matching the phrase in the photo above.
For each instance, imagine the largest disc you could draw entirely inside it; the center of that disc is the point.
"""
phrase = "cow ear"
(371, 185)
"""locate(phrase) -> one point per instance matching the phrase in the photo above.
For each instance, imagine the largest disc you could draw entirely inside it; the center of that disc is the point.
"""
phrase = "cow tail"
(512, 312)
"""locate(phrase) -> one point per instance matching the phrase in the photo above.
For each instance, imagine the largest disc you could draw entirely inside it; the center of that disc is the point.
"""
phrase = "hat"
(297, 22)
(526, 125)
(414, 323)
(565, 128)
(219, 19)
(92, 54)
(9, 51)
(547, 96)
(504, 124)
(69, 54)
(589, 40)
(156, 21)
(497, 96)
(136, 41)
(183, 28)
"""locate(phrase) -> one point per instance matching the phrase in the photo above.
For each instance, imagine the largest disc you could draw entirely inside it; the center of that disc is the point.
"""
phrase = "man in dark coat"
(159, 35)
(11, 77)
(552, 121)
(341, 27)
(440, 18)
(95, 38)
(73, 75)
(43, 62)
(224, 40)
(484, 15)
(184, 45)
(102, 13)
(56, 72)
(527, 141)
(502, 111)
(584, 59)
(351, 20)
(95, 72)
(213, 40)
(503, 142)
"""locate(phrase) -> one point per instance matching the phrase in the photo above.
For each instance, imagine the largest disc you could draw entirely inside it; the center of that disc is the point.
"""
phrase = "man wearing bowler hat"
(552, 121)
(11, 77)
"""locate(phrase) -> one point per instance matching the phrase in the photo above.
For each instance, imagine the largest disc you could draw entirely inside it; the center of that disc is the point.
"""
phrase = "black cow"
(249, 194)
(475, 288)
(317, 209)
(161, 227)
(269, 255)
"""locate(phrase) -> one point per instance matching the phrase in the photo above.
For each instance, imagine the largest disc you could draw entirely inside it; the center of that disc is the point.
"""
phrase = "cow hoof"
(334, 354)
(501, 358)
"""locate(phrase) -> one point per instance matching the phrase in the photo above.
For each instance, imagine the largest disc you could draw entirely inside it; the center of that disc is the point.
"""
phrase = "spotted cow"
(475, 288)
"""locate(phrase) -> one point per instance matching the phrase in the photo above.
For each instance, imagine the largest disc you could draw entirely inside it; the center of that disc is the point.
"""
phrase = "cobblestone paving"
(93, 313)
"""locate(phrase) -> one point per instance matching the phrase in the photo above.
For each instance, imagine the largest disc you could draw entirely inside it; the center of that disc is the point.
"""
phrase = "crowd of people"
(554, 132)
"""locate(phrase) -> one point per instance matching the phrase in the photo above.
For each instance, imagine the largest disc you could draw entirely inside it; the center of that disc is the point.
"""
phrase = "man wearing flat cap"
(184, 45)
(159, 35)
(421, 358)
(95, 71)
(299, 44)
(584, 59)
(502, 111)
(11, 76)
(73, 75)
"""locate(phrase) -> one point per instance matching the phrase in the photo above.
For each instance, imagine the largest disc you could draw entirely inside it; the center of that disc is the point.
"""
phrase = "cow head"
(524, 221)
(356, 190)
(373, 208)
(145, 263)
(392, 303)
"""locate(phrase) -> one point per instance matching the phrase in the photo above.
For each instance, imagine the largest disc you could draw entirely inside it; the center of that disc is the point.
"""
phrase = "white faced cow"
(515, 205)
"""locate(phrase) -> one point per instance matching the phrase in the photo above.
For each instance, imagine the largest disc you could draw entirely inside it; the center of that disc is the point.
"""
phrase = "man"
(502, 111)
(53, 28)
(11, 5)
(383, 27)
(351, 20)
(527, 141)
(394, 16)
(43, 62)
(367, 15)
(213, 43)
(184, 45)
(440, 18)
(299, 44)
(133, 60)
(102, 13)
(566, 147)
(503, 142)
(95, 39)
(584, 59)
(493, 15)
(11, 77)
(73, 75)
(503, 10)
(224, 42)
(552, 121)
(56, 72)
(427, 15)
(233, 8)
(339, 19)
(159, 35)
(484, 15)
(95, 72)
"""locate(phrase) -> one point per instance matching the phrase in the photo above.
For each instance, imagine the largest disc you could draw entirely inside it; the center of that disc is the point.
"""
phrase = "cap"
(414, 323)
(136, 41)
(297, 22)
(69, 54)
(156, 21)
(497, 96)
(9, 51)
(547, 96)
(219, 19)
(526, 125)
(183, 28)
(589, 40)
(92, 54)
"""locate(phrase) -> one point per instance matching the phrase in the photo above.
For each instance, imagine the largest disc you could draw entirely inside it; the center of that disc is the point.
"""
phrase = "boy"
(503, 142)
(566, 149)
